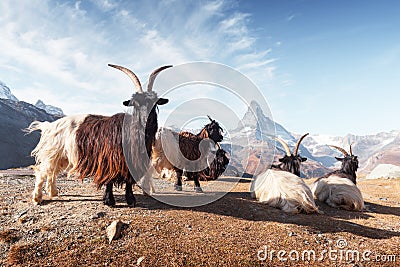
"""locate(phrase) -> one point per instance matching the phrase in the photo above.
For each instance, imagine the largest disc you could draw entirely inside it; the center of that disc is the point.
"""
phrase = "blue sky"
(325, 67)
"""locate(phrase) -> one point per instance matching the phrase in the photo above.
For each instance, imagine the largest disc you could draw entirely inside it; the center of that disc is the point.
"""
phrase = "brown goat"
(187, 151)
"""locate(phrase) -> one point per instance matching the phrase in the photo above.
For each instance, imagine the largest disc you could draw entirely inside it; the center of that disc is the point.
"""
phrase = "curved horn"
(285, 145)
(131, 75)
(296, 149)
(219, 147)
(340, 149)
(153, 76)
(209, 118)
(351, 151)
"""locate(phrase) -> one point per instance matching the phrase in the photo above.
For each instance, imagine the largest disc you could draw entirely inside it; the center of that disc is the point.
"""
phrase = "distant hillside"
(256, 130)
(15, 146)
(372, 150)
(5, 92)
(49, 108)
(254, 147)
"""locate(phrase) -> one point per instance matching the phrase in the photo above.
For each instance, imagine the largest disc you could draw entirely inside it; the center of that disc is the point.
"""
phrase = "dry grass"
(68, 231)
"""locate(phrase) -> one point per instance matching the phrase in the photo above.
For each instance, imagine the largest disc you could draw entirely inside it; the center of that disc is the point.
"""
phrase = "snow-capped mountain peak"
(5, 92)
(49, 108)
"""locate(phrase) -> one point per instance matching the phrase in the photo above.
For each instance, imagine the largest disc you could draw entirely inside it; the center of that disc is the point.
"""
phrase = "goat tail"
(35, 126)
(308, 204)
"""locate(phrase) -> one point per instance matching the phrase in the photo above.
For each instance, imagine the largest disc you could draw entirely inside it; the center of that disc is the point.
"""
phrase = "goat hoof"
(178, 188)
(109, 202)
(198, 189)
(131, 202)
(36, 200)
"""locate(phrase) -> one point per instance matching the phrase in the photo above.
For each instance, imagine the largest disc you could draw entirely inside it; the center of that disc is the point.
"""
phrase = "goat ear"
(303, 159)
(281, 160)
(126, 103)
(162, 101)
(339, 159)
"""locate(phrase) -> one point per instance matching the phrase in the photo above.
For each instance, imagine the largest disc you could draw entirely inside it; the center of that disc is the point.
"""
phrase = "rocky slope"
(70, 230)
(5, 92)
(254, 149)
(254, 146)
(15, 145)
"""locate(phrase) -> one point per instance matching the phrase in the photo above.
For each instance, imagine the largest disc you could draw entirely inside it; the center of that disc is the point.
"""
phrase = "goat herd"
(94, 146)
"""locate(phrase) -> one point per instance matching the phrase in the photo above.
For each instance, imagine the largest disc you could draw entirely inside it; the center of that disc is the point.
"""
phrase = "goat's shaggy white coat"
(55, 152)
(283, 190)
(338, 192)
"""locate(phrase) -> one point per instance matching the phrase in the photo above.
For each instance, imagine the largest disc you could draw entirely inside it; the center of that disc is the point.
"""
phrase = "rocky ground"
(70, 230)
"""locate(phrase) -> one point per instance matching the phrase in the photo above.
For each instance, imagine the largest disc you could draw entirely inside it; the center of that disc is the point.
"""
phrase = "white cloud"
(62, 50)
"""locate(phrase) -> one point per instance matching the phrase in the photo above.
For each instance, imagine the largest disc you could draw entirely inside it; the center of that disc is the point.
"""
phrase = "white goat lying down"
(338, 189)
(282, 188)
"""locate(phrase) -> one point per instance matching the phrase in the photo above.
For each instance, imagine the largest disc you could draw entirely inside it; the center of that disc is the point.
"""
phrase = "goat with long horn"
(281, 187)
(338, 189)
(92, 145)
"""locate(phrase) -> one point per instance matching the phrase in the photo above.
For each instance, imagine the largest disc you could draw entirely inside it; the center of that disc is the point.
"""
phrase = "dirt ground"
(234, 231)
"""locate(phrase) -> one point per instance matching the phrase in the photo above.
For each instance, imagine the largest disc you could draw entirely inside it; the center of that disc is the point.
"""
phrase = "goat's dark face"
(221, 158)
(218, 165)
(291, 164)
(149, 100)
(145, 103)
(349, 164)
(214, 131)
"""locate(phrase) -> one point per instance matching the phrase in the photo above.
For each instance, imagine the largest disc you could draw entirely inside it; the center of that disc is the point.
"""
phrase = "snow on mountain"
(49, 108)
(254, 145)
(5, 92)
(384, 171)
(257, 130)
(370, 149)
(16, 145)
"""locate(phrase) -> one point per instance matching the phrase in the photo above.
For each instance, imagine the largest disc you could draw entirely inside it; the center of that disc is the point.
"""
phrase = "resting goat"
(338, 189)
(281, 187)
(178, 151)
(92, 145)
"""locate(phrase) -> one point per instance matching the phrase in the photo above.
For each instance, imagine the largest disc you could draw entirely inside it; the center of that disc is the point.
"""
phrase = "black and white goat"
(281, 187)
(92, 145)
(338, 189)
(175, 152)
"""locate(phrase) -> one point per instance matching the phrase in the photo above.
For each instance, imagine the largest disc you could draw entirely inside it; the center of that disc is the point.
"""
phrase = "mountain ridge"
(371, 150)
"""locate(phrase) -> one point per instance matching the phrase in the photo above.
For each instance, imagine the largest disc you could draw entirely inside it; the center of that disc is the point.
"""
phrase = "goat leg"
(108, 197)
(130, 198)
(197, 187)
(178, 184)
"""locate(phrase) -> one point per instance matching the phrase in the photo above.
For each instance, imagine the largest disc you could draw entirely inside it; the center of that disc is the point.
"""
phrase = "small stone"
(22, 213)
(23, 219)
(139, 260)
(98, 215)
(114, 230)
